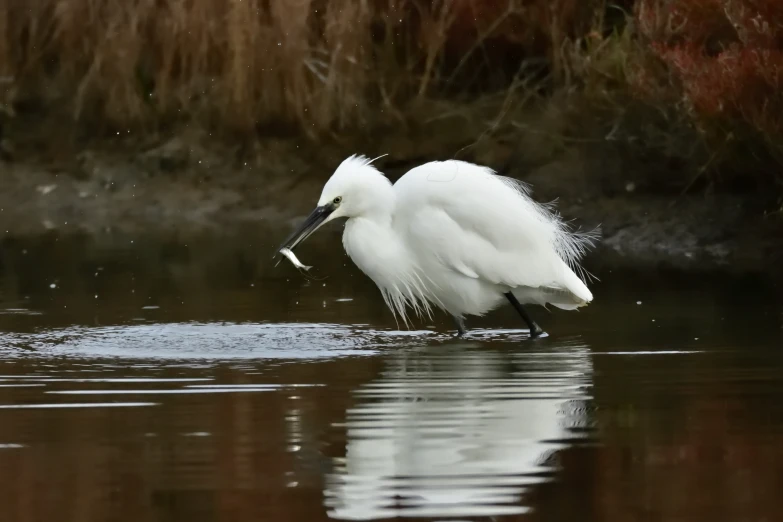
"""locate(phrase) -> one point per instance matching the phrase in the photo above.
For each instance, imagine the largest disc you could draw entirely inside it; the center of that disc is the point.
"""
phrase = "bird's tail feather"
(571, 282)
(569, 293)
(562, 299)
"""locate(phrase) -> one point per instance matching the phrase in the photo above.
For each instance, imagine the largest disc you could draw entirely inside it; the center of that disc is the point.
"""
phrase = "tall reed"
(248, 64)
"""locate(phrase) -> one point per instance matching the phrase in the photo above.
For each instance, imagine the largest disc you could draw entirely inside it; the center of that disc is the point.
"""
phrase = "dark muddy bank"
(193, 184)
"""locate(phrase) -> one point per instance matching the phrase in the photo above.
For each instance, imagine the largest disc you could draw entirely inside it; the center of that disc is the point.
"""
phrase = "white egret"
(452, 235)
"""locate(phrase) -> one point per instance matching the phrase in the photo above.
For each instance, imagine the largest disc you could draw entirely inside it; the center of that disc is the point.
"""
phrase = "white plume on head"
(358, 161)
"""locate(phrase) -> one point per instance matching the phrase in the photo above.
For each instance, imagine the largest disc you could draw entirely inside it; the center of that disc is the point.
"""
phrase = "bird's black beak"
(310, 225)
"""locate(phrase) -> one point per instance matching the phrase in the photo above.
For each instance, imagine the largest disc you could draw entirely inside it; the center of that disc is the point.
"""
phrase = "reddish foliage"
(727, 55)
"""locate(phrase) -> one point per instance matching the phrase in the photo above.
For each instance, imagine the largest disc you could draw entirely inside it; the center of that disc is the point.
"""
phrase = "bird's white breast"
(396, 264)
(375, 250)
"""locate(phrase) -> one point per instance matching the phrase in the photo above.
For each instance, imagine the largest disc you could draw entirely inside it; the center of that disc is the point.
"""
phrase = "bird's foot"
(536, 332)
(460, 324)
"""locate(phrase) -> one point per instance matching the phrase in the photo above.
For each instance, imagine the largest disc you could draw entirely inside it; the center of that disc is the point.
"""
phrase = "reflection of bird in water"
(452, 235)
(462, 437)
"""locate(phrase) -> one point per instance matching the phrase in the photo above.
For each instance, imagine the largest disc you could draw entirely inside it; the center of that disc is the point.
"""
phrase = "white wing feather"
(486, 226)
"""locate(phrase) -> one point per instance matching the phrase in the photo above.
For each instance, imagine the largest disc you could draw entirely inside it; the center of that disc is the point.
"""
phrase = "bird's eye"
(337, 200)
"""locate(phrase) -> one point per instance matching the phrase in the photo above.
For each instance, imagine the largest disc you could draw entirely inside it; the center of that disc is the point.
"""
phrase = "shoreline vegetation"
(710, 68)
(590, 100)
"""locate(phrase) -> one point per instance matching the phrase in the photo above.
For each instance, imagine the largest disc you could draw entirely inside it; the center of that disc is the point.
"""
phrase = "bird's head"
(356, 189)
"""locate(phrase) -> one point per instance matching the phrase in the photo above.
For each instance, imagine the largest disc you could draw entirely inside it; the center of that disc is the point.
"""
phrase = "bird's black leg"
(460, 325)
(535, 330)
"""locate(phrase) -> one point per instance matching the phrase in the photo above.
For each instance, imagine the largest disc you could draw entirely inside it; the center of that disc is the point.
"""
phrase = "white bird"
(452, 235)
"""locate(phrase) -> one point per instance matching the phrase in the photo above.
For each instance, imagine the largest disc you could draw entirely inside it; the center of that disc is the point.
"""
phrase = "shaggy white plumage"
(452, 235)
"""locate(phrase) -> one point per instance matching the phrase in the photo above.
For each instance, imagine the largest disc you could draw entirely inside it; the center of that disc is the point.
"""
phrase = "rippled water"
(188, 379)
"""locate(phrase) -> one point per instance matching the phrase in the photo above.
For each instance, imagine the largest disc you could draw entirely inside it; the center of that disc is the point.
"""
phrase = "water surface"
(168, 379)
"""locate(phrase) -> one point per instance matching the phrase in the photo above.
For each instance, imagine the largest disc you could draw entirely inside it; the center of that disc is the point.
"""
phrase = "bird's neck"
(374, 245)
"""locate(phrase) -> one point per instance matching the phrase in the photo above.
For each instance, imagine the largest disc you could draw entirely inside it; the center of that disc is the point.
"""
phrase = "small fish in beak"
(292, 257)
(313, 222)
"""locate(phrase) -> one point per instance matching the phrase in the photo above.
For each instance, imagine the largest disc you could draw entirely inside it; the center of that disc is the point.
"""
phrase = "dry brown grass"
(246, 64)
(324, 65)
(241, 63)
(238, 63)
